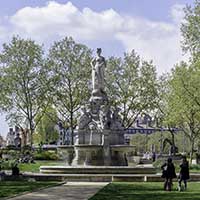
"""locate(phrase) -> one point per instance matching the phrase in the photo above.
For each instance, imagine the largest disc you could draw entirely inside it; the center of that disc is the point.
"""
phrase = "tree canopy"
(131, 85)
(23, 81)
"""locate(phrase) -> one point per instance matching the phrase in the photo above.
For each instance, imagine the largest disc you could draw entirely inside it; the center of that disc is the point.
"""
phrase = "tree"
(184, 101)
(139, 141)
(161, 112)
(190, 29)
(47, 126)
(131, 85)
(23, 82)
(70, 68)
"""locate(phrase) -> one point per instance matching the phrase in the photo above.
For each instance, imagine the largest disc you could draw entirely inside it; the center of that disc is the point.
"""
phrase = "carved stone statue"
(84, 119)
(105, 117)
(116, 120)
(98, 67)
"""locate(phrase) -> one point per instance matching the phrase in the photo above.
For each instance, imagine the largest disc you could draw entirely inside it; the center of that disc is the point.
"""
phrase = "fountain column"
(106, 148)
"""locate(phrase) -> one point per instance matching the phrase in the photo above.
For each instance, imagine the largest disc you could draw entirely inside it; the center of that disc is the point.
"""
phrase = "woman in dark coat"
(184, 173)
(168, 173)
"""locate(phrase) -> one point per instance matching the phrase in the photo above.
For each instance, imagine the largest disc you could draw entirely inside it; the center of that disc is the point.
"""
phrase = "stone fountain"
(100, 138)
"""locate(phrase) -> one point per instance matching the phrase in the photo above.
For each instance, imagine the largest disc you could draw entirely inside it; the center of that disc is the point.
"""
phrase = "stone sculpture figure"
(116, 120)
(84, 119)
(105, 117)
(98, 67)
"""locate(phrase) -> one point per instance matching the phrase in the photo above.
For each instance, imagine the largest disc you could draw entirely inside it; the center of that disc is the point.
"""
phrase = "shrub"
(10, 154)
(10, 147)
(158, 163)
(195, 167)
(7, 164)
(46, 155)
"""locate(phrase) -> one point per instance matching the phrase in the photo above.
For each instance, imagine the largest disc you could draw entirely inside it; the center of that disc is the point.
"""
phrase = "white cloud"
(65, 19)
(177, 13)
(159, 41)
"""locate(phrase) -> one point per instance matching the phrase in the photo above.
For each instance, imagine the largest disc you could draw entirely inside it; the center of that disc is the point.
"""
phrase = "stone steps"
(95, 177)
(143, 169)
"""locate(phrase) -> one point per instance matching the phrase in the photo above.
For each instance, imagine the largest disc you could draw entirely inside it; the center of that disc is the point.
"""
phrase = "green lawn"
(34, 167)
(9, 188)
(146, 191)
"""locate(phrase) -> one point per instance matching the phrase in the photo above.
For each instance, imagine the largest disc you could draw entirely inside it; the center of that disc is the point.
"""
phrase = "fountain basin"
(97, 170)
(66, 152)
(88, 147)
(88, 154)
(123, 148)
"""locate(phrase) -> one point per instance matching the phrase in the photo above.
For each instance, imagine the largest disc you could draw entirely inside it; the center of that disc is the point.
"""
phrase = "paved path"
(68, 191)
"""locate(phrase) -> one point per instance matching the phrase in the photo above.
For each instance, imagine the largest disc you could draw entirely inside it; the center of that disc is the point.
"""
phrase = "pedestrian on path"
(184, 173)
(168, 172)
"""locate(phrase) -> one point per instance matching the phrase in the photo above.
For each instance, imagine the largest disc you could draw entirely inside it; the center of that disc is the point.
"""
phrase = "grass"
(35, 167)
(10, 188)
(146, 191)
(195, 168)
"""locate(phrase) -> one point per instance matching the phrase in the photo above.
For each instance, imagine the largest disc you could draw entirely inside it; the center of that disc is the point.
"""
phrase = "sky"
(150, 27)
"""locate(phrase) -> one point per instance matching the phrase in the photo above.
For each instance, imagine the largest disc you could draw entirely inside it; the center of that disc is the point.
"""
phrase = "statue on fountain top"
(98, 74)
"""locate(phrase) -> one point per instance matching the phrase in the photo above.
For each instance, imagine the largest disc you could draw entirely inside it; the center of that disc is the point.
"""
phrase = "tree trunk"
(72, 128)
(31, 132)
(192, 151)
(173, 143)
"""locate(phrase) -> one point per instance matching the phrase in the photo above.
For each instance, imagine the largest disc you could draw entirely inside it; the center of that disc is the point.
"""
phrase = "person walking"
(168, 173)
(184, 173)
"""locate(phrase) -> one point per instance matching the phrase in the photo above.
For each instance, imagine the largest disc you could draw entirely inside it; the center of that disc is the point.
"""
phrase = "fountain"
(100, 142)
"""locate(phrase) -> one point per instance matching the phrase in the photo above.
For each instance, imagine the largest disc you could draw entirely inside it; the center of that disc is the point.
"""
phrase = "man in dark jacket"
(168, 173)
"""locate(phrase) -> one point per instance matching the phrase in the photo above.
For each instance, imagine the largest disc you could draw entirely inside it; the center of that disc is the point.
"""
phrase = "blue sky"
(152, 9)
(151, 27)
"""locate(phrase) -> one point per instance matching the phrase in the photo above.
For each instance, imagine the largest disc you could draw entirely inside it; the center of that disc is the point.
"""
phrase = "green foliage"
(46, 155)
(7, 164)
(70, 70)
(196, 167)
(46, 127)
(23, 81)
(186, 78)
(10, 153)
(145, 142)
(190, 29)
(140, 141)
(35, 167)
(183, 101)
(158, 163)
(131, 85)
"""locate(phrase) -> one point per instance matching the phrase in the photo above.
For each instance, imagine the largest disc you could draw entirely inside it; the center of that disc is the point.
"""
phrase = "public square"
(100, 100)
